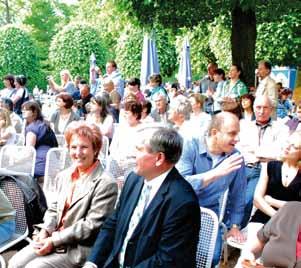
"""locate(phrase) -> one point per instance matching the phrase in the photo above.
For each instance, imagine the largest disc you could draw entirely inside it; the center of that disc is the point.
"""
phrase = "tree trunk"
(243, 39)
(7, 11)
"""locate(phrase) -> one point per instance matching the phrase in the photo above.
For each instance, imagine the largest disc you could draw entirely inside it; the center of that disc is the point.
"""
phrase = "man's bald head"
(220, 119)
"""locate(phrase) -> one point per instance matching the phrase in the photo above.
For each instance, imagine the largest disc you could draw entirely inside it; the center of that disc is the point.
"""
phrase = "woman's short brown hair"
(83, 129)
(134, 107)
(66, 98)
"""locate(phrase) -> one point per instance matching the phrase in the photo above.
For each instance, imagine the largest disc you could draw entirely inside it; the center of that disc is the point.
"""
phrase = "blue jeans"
(7, 229)
(252, 175)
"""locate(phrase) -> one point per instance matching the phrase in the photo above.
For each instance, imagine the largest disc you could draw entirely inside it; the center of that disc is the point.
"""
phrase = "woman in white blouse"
(198, 117)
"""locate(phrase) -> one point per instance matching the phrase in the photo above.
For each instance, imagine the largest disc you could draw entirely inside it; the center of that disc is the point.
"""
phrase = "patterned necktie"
(136, 216)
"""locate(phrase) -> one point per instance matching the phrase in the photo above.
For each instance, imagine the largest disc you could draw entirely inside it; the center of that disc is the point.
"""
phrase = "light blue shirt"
(195, 161)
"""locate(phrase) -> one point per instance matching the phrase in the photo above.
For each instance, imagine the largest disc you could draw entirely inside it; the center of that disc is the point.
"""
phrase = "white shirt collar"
(155, 184)
(264, 80)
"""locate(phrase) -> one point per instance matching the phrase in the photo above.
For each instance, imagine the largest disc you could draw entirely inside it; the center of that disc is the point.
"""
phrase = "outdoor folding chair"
(118, 168)
(104, 152)
(16, 197)
(2, 262)
(60, 140)
(20, 139)
(57, 159)
(207, 238)
(18, 159)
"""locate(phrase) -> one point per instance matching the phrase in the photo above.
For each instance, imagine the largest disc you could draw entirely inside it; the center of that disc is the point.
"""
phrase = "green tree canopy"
(42, 19)
(18, 55)
(244, 16)
(12, 11)
(280, 41)
(72, 46)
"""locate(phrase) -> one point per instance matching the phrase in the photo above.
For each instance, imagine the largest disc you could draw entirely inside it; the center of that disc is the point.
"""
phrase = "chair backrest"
(61, 140)
(207, 238)
(104, 152)
(57, 159)
(18, 158)
(118, 168)
(16, 198)
(20, 139)
(2, 262)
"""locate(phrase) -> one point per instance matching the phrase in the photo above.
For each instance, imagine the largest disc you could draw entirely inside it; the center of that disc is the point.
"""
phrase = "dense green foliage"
(280, 41)
(116, 29)
(18, 55)
(244, 16)
(71, 49)
(219, 41)
(42, 21)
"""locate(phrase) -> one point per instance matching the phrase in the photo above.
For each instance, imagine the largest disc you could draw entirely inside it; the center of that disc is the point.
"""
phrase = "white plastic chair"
(60, 140)
(57, 159)
(16, 198)
(119, 168)
(18, 158)
(2, 262)
(20, 139)
(207, 238)
(104, 152)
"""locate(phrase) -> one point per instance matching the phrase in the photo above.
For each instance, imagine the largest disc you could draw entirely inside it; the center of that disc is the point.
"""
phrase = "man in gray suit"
(267, 85)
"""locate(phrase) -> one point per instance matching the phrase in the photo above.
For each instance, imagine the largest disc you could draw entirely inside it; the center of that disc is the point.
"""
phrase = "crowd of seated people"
(230, 138)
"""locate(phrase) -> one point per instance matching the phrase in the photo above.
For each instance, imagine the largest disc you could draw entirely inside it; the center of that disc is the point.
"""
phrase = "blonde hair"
(65, 71)
(4, 114)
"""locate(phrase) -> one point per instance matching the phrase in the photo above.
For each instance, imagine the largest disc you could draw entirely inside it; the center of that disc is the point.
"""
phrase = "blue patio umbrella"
(92, 67)
(184, 74)
(149, 61)
(93, 75)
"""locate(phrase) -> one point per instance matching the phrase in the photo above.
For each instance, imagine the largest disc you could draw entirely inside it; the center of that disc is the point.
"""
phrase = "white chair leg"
(2, 262)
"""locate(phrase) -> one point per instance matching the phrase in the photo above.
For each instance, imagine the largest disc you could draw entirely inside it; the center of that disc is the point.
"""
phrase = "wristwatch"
(235, 226)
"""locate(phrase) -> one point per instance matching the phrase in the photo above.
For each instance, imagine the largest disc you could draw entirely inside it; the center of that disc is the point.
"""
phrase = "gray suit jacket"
(93, 200)
(270, 91)
(55, 118)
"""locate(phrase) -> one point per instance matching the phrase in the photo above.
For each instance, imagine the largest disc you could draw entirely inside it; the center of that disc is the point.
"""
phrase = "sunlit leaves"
(72, 46)
(18, 55)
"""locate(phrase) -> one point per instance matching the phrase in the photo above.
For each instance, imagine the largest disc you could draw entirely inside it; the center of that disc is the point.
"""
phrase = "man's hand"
(228, 165)
(236, 234)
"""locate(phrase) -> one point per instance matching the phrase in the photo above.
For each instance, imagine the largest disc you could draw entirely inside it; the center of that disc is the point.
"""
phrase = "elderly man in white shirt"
(260, 141)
